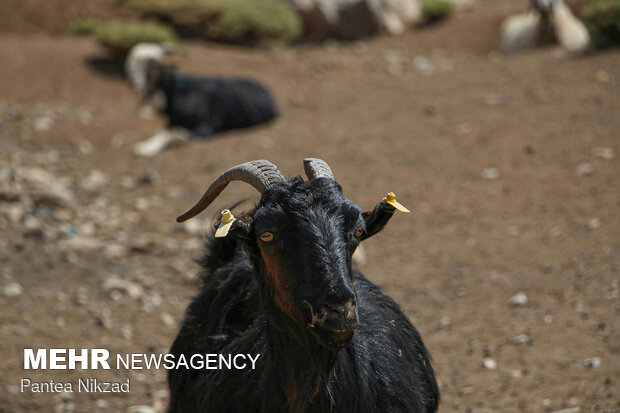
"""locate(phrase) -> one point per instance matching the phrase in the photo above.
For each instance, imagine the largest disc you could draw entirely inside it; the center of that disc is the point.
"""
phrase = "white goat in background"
(544, 19)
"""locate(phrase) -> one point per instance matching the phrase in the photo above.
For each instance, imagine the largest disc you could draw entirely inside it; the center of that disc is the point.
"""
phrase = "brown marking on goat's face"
(279, 285)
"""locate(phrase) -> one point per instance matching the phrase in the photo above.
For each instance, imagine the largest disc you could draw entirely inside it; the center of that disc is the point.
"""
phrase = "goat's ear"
(241, 228)
(376, 219)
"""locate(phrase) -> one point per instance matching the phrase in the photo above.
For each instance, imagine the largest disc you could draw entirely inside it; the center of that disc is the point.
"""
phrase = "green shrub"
(602, 18)
(252, 21)
(436, 9)
(120, 35)
(238, 21)
(84, 26)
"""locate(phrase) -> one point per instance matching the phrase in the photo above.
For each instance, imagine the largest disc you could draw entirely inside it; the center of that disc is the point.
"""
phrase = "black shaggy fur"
(384, 369)
(209, 105)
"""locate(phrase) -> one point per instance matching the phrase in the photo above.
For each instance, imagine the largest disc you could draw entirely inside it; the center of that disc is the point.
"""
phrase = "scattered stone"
(463, 129)
(444, 323)
(423, 65)
(126, 332)
(132, 289)
(61, 322)
(104, 318)
(603, 76)
(569, 410)
(42, 124)
(85, 147)
(593, 362)
(519, 299)
(80, 243)
(584, 169)
(94, 181)
(81, 296)
(167, 319)
(489, 363)
(523, 339)
(594, 223)
(605, 153)
(142, 204)
(115, 251)
(494, 99)
(101, 404)
(490, 173)
(12, 289)
(141, 409)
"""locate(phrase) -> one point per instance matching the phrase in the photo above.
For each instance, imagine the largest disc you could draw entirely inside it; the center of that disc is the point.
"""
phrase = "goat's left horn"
(260, 174)
(317, 168)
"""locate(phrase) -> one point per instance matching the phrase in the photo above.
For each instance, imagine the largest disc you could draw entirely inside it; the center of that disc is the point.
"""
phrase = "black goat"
(209, 105)
(281, 285)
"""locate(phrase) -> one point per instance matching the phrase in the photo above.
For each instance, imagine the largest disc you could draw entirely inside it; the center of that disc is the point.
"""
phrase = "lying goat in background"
(546, 21)
(202, 106)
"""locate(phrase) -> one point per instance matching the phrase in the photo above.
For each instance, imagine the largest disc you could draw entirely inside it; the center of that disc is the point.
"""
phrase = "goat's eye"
(267, 236)
(359, 232)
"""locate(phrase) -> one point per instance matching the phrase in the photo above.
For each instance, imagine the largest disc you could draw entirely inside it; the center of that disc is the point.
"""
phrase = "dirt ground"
(509, 165)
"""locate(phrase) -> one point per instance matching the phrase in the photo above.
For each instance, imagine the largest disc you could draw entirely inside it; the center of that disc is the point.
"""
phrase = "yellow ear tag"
(227, 220)
(390, 199)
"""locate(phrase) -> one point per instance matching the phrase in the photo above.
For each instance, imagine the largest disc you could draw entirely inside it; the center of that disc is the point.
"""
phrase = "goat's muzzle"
(335, 323)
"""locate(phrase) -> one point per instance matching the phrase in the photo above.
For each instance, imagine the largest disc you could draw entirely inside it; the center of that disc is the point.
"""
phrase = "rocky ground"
(508, 265)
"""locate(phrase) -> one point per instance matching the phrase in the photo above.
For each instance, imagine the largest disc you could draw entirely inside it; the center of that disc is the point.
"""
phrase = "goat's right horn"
(317, 168)
(260, 174)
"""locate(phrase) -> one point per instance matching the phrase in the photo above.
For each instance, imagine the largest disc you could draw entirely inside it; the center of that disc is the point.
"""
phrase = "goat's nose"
(339, 316)
(345, 310)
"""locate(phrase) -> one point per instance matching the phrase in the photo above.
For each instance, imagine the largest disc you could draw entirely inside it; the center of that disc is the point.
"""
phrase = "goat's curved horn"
(260, 174)
(317, 168)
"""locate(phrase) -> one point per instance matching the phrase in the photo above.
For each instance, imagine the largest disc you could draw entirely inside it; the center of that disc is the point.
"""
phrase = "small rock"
(444, 323)
(593, 362)
(602, 76)
(104, 318)
(603, 153)
(12, 289)
(126, 332)
(519, 299)
(463, 129)
(494, 99)
(423, 65)
(569, 410)
(115, 251)
(490, 173)
(523, 339)
(94, 181)
(489, 363)
(81, 244)
(141, 409)
(42, 124)
(584, 169)
(85, 147)
(101, 404)
(132, 289)
(594, 223)
(167, 319)
(142, 204)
